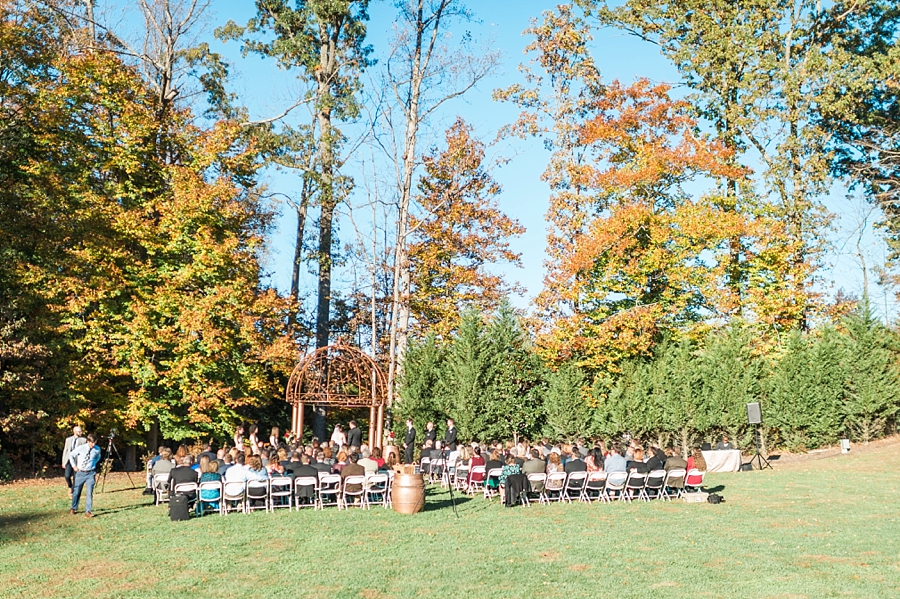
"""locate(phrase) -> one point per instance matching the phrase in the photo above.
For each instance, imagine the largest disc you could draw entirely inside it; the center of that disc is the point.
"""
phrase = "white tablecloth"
(723, 460)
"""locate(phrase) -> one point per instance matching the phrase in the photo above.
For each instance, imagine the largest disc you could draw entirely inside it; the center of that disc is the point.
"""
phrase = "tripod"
(110, 448)
(758, 458)
(450, 486)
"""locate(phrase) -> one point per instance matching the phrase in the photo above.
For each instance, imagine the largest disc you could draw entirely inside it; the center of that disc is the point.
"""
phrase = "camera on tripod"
(112, 434)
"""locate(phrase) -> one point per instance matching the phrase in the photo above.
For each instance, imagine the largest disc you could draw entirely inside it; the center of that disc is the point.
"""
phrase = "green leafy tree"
(421, 394)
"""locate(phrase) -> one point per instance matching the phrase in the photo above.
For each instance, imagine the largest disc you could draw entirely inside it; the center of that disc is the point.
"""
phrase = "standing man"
(450, 436)
(354, 436)
(71, 443)
(409, 442)
(430, 433)
(84, 460)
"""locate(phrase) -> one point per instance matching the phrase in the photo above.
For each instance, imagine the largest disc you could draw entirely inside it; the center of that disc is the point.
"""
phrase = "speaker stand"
(762, 463)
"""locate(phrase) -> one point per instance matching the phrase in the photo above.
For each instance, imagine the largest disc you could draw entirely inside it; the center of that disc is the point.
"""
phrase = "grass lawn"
(818, 528)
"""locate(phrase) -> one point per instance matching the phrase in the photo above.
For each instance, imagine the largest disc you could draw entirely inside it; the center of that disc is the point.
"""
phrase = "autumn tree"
(756, 70)
(632, 253)
(422, 72)
(459, 234)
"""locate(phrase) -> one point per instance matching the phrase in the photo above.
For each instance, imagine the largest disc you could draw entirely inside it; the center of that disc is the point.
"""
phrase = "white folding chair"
(208, 493)
(634, 486)
(593, 486)
(615, 484)
(305, 482)
(575, 485)
(673, 478)
(460, 477)
(425, 466)
(280, 491)
(656, 480)
(554, 485)
(234, 496)
(161, 488)
(695, 485)
(376, 490)
(536, 482)
(489, 491)
(476, 485)
(437, 470)
(346, 494)
(257, 490)
(329, 487)
(186, 489)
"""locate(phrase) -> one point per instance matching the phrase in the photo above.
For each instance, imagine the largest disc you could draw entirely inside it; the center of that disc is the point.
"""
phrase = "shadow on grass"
(15, 527)
(716, 489)
(434, 504)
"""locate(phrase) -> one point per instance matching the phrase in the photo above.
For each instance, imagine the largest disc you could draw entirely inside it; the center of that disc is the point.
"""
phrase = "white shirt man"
(71, 443)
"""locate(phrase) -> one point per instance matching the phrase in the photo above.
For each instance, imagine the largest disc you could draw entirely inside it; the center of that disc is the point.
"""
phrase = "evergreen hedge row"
(840, 380)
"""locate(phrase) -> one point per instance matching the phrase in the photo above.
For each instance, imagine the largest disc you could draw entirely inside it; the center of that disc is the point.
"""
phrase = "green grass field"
(818, 528)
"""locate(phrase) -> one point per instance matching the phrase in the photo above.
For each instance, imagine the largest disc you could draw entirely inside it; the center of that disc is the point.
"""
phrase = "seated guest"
(520, 459)
(475, 460)
(327, 457)
(294, 462)
(575, 463)
(255, 469)
(274, 467)
(200, 467)
(210, 497)
(183, 473)
(352, 469)
(376, 455)
(158, 455)
(554, 462)
(535, 465)
(238, 471)
(208, 452)
(341, 462)
(225, 463)
(366, 461)
(637, 464)
(426, 452)
(283, 457)
(674, 460)
(594, 461)
(163, 465)
(391, 462)
(510, 468)
(321, 465)
(615, 462)
(696, 461)
(305, 469)
(657, 460)
(493, 462)
(724, 444)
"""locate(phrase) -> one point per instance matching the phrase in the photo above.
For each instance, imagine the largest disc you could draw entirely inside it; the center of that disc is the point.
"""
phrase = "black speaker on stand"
(754, 417)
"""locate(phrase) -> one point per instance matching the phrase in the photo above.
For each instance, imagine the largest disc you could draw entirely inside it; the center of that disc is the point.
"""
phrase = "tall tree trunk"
(402, 281)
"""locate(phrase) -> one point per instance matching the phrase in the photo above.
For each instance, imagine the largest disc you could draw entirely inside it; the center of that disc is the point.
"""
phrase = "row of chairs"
(582, 486)
(284, 492)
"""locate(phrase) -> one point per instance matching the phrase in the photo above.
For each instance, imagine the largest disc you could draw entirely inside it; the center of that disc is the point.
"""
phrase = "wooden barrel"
(408, 493)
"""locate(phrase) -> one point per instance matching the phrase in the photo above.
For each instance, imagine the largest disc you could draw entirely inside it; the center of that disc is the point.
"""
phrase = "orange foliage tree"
(643, 239)
(459, 232)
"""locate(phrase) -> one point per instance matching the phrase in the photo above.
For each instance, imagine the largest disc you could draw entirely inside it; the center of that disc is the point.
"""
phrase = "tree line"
(840, 381)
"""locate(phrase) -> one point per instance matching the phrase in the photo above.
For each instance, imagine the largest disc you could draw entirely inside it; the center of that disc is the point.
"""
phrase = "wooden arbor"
(338, 375)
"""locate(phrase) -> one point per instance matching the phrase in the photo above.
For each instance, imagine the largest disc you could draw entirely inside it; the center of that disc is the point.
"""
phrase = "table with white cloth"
(723, 460)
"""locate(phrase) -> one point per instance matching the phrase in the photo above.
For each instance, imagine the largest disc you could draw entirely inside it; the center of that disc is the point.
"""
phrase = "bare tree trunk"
(402, 283)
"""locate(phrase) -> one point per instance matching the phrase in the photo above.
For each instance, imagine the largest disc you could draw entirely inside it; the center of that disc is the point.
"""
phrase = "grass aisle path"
(828, 528)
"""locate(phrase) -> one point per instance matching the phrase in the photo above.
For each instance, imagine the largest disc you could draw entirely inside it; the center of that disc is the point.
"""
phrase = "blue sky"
(266, 90)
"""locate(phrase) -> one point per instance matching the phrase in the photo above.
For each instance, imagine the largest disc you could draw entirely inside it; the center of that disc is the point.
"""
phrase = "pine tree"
(873, 376)
(421, 393)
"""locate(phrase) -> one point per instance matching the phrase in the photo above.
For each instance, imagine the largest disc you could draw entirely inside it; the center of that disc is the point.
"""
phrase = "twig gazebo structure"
(338, 375)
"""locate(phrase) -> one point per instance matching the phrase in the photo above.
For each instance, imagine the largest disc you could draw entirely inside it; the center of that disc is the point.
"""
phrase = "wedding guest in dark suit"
(409, 442)
(354, 435)
(450, 436)
(430, 433)
(575, 464)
